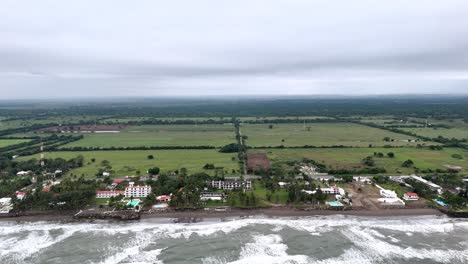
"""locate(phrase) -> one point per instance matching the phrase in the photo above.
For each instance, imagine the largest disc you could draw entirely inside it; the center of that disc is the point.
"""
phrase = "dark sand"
(199, 215)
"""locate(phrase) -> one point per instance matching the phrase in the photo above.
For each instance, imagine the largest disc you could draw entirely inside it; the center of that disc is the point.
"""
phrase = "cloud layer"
(196, 48)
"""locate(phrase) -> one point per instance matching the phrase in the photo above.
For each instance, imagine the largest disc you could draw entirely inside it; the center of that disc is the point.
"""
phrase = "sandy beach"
(199, 215)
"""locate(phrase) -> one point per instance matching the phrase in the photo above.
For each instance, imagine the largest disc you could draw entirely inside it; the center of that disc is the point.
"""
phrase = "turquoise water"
(440, 202)
(335, 203)
(133, 203)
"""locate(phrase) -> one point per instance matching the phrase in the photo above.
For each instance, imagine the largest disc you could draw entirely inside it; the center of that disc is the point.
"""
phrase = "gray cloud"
(151, 48)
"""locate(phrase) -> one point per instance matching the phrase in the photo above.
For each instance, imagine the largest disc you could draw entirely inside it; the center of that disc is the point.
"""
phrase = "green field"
(319, 134)
(57, 120)
(351, 158)
(458, 133)
(8, 142)
(163, 135)
(128, 162)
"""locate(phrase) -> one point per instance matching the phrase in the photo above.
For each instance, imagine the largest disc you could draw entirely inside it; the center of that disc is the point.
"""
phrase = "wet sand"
(199, 215)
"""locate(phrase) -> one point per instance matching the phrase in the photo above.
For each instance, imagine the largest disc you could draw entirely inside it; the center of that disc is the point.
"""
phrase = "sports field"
(8, 142)
(128, 162)
(163, 135)
(319, 134)
(351, 158)
(458, 133)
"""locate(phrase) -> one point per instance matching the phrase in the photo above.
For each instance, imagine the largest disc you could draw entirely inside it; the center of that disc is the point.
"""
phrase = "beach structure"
(6, 205)
(164, 198)
(214, 196)
(434, 187)
(333, 190)
(410, 196)
(108, 194)
(230, 185)
(137, 191)
(23, 173)
(388, 193)
(20, 195)
(362, 179)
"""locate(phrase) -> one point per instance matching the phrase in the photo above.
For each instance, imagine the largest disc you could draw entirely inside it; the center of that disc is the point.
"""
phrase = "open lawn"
(128, 162)
(351, 158)
(8, 142)
(458, 133)
(319, 134)
(164, 135)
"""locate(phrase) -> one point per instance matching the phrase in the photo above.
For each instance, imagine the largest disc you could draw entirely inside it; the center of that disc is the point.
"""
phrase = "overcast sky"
(51, 49)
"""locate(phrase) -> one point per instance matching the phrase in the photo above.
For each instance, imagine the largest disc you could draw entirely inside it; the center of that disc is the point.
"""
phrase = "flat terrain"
(163, 135)
(8, 142)
(351, 158)
(319, 134)
(458, 133)
(128, 162)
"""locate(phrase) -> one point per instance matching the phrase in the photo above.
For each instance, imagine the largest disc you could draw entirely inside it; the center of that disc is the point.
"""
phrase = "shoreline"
(200, 215)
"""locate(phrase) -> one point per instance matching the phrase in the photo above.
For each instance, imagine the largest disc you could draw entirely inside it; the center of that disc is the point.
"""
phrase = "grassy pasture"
(351, 158)
(319, 134)
(47, 120)
(164, 135)
(128, 162)
(458, 133)
(9, 142)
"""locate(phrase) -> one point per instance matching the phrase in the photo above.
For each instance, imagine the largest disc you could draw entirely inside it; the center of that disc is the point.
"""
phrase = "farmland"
(129, 162)
(166, 135)
(351, 158)
(9, 142)
(458, 133)
(319, 134)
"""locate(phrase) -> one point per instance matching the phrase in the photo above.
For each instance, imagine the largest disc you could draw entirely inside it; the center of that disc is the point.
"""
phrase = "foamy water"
(324, 239)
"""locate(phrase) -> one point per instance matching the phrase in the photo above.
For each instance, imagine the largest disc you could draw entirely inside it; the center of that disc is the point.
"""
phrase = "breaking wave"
(254, 240)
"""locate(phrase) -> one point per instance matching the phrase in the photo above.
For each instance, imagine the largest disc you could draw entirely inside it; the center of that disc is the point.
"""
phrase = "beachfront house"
(137, 191)
(214, 196)
(230, 185)
(388, 193)
(434, 187)
(164, 198)
(410, 196)
(20, 195)
(108, 194)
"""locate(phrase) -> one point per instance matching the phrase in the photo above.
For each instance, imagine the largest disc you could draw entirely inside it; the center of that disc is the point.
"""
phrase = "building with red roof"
(411, 196)
(20, 195)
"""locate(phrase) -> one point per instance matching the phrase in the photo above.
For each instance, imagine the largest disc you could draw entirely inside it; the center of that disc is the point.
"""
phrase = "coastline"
(200, 215)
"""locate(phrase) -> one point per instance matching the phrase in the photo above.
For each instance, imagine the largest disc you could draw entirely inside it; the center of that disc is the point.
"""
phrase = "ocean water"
(323, 239)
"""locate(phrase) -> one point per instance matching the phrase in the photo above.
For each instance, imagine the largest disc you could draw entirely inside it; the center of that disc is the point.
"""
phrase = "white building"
(20, 195)
(6, 205)
(387, 193)
(411, 196)
(108, 194)
(431, 185)
(214, 196)
(335, 190)
(164, 198)
(137, 191)
(23, 173)
(230, 185)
